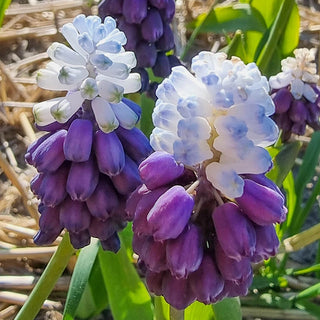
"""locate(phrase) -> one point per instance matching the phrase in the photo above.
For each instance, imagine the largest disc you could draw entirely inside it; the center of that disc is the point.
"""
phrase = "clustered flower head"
(147, 26)
(205, 210)
(295, 93)
(88, 161)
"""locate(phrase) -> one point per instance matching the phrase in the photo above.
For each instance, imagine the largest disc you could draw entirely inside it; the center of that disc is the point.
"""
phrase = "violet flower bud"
(132, 33)
(234, 231)
(166, 42)
(238, 288)
(170, 214)
(133, 200)
(184, 254)
(284, 122)
(177, 291)
(162, 66)
(53, 187)
(174, 61)
(206, 282)
(128, 179)
(74, 215)
(313, 112)
(154, 282)
(78, 142)
(168, 12)
(102, 230)
(138, 242)
(282, 100)
(134, 10)
(261, 204)
(160, 4)
(146, 54)
(298, 111)
(159, 169)
(103, 200)
(109, 153)
(80, 239)
(111, 244)
(35, 183)
(229, 268)
(33, 146)
(151, 26)
(49, 155)
(135, 143)
(110, 7)
(144, 77)
(299, 128)
(82, 179)
(267, 243)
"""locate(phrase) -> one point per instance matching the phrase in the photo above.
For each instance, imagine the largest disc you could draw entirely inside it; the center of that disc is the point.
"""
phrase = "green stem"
(276, 32)
(176, 314)
(48, 279)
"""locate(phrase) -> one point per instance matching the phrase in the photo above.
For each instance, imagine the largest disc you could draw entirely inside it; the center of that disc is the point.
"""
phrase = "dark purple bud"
(82, 180)
(53, 188)
(135, 143)
(50, 227)
(166, 42)
(128, 179)
(261, 204)
(237, 288)
(133, 106)
(160, 4)
(80, 239)
(109, 7)
(298, 111)
(144, 77)
(109, 153)
(154, 282)
(49, 154)
(168, 12)
(111, 244)
(140, 224)
(146, 54)
(162, 66)
(132, 33)
(174, 61)
(299, 128)
(283, 122)
(33, 146)
(74, 215)
(206, 282)
(133, 200)
(184, 254)
(151, 93)
(229, 268)
(170, 214)
(282, 100)
(102, 230)
(151, 26)
(267, 243)
(138, 243)
(134, 11)
(159, 169)
(313, 112)
(234, 231)
(103, 200)
(78, 142)
(177, 292)
(153, 253)
(35, 183)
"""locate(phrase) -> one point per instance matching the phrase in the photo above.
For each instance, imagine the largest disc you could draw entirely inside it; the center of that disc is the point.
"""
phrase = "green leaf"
(310, 269)
(4, 4)
(80, 278)
(283, 162)
(227, 309)
(86, 306)
(128, 297)
(199, 310)
(147, 106)
(236, 47)
(161, 308)
(310, 292)
(230, 19)
(310, 307)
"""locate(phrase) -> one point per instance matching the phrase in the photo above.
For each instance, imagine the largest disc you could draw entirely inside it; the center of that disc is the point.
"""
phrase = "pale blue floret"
(210, 80)
(101, 61)
(194, 129)
(162, 140)
(110, 46)
(86, 42)
(166, 92)
(194, 106)
(165, 116)
(232, 126)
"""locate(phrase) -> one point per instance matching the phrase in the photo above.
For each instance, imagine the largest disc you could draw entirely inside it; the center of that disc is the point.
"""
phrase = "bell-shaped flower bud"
(261, 204)
(267, 243)
(237, 288)
(298, 112)
(184, 254)
(132, 32)
(133, 106)
(109, 153)
(53, 187)
(49, 155)
(146, 54)
(111, 244)
(229, 268)
(74, 215)
(102, 230)
(80, 239)
(152, 27)
(177, 292)
(109, 7)
(166, 42)
(82, 180)
(103, 200)
(167, 13)
(128, 179)
(162, 66)
(36, 182)
(175, 208)
(282, 100)
(159, 169)
(206, 282)
(234, 231)
(154, 282)
(160, 4)
(134, 10)
(133, 200)
(78, 142)
(33, 146)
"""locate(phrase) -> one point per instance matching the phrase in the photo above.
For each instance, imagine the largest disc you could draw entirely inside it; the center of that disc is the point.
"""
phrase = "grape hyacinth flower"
(88, 161)
(147, 26)
(295, 94)
(205, 210)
